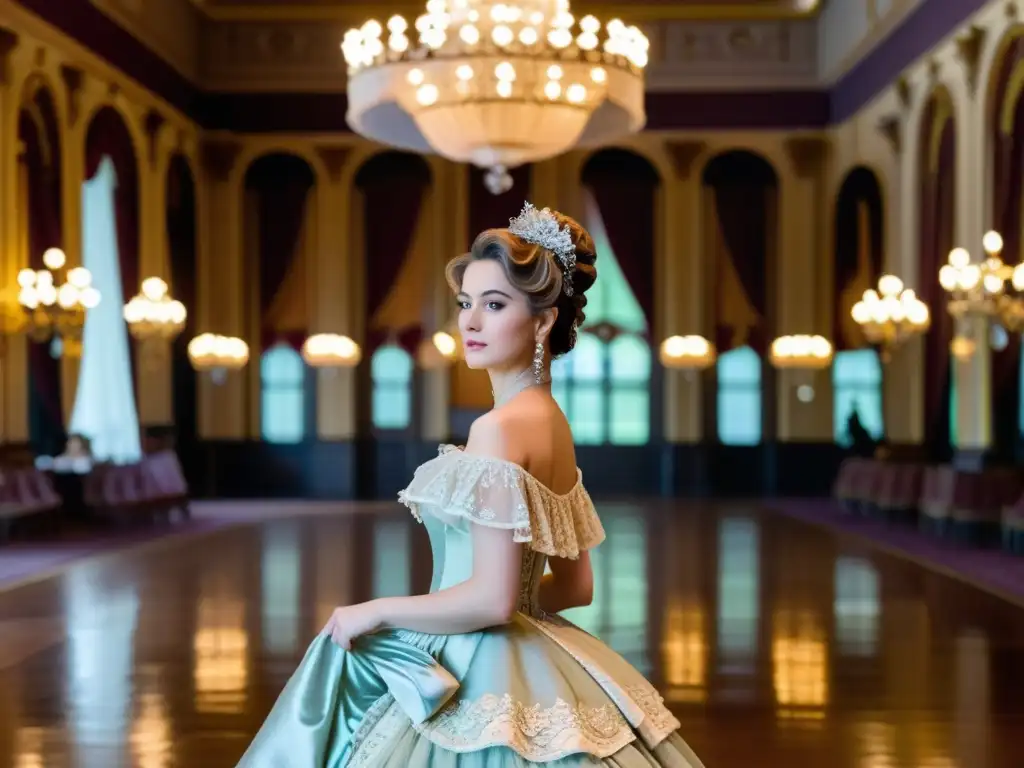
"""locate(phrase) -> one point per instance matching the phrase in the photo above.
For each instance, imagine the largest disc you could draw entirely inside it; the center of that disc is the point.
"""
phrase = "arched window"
(739, 397)
(604, 386)
(857, 386)
(391, 372)
(282, 395)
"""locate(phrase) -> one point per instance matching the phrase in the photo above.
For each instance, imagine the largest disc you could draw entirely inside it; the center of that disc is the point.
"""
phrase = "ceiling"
(644, 10)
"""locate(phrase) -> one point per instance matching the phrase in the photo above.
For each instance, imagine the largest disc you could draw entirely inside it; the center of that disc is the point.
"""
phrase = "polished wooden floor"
(776, 644)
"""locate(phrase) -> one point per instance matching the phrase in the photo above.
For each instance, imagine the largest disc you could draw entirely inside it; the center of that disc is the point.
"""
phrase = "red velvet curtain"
(745, 190)
(181, 239)
(938, 187)
(624, 186)
(282, 184)
(487, 211)
(393, 185)
(38, 131)
(860, 188)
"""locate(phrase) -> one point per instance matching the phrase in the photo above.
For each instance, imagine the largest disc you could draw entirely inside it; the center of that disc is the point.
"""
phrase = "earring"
(538, 363)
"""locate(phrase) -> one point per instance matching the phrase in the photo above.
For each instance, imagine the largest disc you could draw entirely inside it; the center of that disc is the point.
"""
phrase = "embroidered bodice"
(456, 490)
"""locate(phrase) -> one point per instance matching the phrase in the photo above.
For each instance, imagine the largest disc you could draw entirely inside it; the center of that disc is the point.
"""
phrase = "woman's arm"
(569, 585)
(487, 598)
(490, 596)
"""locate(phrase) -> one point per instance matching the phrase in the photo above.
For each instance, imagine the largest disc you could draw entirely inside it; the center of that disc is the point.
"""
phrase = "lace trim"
(538, 734)
(368, 739)
(500, 494)
(639, 701)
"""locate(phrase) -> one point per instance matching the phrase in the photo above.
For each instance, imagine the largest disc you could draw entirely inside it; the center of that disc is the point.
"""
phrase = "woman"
(481, 672)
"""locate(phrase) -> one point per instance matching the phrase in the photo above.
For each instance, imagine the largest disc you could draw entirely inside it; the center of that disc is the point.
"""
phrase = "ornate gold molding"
(968, 52)
(807, 154)
(218, 158)
(334, 160)
(684, 154)
(8, 42)
(703, 10)
(904, 92)
(891, 128)
(73, 78)
(152, 123)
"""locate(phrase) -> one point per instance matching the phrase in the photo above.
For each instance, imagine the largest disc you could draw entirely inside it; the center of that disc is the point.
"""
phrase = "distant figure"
(861, 441)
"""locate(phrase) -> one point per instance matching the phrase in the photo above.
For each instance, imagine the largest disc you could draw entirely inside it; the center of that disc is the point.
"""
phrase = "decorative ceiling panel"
(722, 10)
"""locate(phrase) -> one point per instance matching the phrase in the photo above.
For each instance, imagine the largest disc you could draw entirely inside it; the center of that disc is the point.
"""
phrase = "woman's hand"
(352, 621)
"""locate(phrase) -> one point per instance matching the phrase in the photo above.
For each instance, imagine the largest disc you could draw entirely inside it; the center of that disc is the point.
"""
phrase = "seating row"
(154, 487)
(974, 506)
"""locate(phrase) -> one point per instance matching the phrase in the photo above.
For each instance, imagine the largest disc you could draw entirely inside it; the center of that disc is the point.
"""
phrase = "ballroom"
(228, 343)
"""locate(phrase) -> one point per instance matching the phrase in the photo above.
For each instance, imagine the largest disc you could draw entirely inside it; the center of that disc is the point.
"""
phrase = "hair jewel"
(540, 227)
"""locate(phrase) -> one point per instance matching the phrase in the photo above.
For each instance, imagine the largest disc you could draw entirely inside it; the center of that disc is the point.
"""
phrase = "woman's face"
(498, 330)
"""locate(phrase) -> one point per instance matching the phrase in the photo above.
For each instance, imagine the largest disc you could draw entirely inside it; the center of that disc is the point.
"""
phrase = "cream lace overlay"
(539, 733)
(458, 486)
(500, 494)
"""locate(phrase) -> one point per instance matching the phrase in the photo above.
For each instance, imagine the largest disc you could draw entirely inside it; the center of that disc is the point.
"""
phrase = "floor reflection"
(775, 643)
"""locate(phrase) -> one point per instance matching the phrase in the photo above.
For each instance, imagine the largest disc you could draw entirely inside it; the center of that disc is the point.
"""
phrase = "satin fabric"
(328, 697)
(537, 690)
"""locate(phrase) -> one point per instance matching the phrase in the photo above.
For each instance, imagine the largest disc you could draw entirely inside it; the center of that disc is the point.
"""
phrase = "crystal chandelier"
(801, 352)
(889, 319)
(331, 350)
(153, 315)
(216, 355)
(689, 353)
(980, 290)
(495, 84)
(55, 310)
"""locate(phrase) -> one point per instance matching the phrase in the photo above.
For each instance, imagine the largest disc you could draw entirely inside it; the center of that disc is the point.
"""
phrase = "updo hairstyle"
(536, 272)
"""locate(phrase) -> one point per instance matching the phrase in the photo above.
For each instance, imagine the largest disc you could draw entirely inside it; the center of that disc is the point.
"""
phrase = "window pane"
(739, 397)
(630, 416)
(587, 414)
(868, 403)
(282, 415)
(739, 416)
(561, 368)
(281, 365)
(560, 391)
(588, 358)
(953, 437)
(856, 367)
(738, 367)
(391, 363)
(630, 359)
(391, 406)
(611, 299)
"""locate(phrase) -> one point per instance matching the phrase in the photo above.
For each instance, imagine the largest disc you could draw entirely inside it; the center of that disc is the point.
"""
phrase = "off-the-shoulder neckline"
(448, 448)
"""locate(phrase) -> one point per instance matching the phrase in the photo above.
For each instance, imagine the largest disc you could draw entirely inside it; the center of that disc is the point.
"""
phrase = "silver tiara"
(540, 227)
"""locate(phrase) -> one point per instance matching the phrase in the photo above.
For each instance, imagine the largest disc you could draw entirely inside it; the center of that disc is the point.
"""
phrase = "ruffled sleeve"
(499, 494)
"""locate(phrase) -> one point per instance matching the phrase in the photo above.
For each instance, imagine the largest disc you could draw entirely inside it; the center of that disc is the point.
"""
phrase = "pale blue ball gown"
(538, 690)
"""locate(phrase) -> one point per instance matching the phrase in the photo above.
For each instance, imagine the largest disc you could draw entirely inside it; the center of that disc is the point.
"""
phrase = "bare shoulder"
(492, 435)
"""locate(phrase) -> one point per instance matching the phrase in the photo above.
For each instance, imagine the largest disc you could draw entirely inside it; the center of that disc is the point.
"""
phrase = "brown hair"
(537, 273)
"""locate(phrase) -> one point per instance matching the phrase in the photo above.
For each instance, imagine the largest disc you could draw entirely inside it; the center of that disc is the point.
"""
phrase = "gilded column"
(448, 206)
(72, 179)
(682, 276)
(153, 360)
(800, 306)
(220, 285)
(334, 293)
(13, 223)
(973, 217)
(904, 374)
